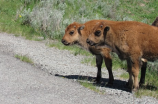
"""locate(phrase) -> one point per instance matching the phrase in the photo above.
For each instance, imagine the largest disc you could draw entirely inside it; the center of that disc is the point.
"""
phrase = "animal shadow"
(117, 84)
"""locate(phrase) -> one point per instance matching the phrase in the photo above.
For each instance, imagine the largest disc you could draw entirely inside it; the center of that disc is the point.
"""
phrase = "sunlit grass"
(9, 21)
(147, 91)
(24, 59)
(90, 86)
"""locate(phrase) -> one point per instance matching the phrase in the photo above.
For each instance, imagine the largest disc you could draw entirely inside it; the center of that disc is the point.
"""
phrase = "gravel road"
(53, 79)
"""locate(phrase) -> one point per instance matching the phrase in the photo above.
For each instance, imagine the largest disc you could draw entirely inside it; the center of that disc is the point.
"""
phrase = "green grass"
(24, 59)
(90, 86)
(124, 75)
(89, 61)
(147, 92)
(116, 62)
(139, 10)
(10, 20)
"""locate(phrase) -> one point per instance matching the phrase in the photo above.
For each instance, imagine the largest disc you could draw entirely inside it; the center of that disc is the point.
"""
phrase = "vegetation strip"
(24, 59)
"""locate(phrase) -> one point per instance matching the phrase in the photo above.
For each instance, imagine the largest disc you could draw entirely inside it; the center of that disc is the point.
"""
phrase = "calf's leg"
(143, 71)
(108, 63)
(130, 80)
(135, 72)
(99, 61)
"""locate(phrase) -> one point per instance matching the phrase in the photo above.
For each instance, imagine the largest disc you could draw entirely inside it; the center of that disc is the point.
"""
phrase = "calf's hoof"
(141, 84)
(97, 80)
(134, 89)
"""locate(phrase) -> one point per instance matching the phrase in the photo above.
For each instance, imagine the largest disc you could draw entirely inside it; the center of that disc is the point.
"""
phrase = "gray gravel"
(62, 63)
(21, 83)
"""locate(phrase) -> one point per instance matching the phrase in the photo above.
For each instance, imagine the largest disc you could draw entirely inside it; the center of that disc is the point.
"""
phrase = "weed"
(117, 63)
(24, 58)
(89, 60)
(146, 92)
(90, 86)
(124, 75)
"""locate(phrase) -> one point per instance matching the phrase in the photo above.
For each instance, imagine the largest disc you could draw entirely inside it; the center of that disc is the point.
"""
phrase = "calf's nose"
(63, 41)
(88, 41)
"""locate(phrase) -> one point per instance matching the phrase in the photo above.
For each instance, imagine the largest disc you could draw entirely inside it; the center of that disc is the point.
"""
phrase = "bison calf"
(131, 41)
(77, 33)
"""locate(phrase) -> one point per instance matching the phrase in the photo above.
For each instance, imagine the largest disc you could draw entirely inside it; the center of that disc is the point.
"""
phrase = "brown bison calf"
(75, 34)
(131, 41)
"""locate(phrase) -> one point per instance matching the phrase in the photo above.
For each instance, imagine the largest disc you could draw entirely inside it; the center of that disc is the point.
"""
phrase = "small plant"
(24, 58)
(146, 92)
(89, 60)
(90, 86)
(45, 18)
(117, 63)
(125, 75)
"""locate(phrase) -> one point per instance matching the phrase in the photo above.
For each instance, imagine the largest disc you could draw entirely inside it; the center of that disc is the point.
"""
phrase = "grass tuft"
(24, 59)
(90, 86)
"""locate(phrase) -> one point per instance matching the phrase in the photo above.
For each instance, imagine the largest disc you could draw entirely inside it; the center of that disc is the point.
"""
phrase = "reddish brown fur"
(80, 36)
(131, 41)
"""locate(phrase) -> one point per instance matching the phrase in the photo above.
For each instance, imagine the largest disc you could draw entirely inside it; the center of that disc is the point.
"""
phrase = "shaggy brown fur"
(78, 33)
(131, 41)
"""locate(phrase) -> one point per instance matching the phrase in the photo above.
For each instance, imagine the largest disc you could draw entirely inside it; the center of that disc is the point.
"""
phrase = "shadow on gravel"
(118, 84)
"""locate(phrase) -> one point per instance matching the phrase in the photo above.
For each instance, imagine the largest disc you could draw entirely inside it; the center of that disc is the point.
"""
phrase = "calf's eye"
(71, 32)
(97, 33)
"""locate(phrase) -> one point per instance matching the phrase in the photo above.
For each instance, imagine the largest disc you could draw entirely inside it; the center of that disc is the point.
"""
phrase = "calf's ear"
(106, 29)
(80, 28)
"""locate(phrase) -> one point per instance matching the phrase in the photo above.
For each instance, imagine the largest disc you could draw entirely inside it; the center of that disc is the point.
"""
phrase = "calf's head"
(99, 35)
(72, 34)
